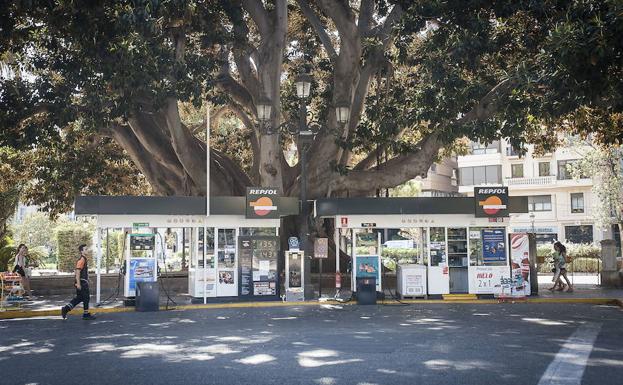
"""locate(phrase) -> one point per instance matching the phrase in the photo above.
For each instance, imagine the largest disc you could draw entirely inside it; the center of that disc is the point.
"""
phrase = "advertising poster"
(520, 264)
(368, 266)
(493, 245)
(257, 266)
(142, 270)
(226, 277)
(487, 279)
(245, 266)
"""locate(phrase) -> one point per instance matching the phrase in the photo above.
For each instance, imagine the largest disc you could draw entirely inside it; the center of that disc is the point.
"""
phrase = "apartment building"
(560, 207)
(441, 179)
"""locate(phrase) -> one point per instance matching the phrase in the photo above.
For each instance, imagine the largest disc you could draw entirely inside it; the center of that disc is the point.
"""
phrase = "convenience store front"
(462, 252)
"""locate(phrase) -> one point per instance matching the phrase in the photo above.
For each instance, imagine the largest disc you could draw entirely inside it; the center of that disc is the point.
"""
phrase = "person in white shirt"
(20, 267)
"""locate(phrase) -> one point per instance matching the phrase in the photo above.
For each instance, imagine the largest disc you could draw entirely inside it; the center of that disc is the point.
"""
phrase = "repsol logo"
(263, 191)
(491, 191)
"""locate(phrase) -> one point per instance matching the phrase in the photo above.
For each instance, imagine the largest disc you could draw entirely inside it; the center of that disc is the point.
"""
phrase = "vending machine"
(295, 276)
(141, 264)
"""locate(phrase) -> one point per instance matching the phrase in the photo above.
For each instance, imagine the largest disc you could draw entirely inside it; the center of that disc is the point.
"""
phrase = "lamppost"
(306, 132)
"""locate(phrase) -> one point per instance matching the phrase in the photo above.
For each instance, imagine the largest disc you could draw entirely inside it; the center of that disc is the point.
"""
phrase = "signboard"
(142, 241)
(491, 202)
(261, 203)
(321, 248)
(493, 245)
(536, 229)
(293, 243)
(141, 270)
(368, 267)
(487, 279)
(368, 225)
(257, 265)
(344, 221)
(139, 224)
(520, 264)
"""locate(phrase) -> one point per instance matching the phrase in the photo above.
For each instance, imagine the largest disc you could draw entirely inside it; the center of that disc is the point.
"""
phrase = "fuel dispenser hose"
(115, 295)
(164, 261)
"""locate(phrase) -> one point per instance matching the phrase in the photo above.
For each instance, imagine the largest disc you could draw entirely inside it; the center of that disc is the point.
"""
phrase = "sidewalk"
(50, 305)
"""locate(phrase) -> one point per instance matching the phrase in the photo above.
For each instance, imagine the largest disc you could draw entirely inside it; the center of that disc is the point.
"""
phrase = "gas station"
(454, 245)
(233, 251)
(440, 246)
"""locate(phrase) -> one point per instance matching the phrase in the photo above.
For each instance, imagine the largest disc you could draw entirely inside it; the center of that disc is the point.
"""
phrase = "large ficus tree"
(416, 76)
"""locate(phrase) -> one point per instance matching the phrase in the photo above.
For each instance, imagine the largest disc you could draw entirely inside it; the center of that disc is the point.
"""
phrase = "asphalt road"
(415, 344)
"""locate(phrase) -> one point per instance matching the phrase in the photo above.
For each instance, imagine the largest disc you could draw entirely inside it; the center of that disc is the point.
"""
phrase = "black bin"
(147, 296)
(366, 290)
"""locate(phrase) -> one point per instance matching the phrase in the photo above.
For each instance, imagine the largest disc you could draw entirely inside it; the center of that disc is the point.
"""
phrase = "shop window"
(437, 246)
(226, 248)
(577, 202)
(544, 169)
(546, 238)
(516, 170)
(475, 247)
(457, 247)
(540, 203)
(405, 245)
(579, 234)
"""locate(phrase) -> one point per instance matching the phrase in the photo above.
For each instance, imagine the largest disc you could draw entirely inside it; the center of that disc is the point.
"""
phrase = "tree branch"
(258, 13)
(383, 31)
(311, 16)
(366, 16)
(391, 173)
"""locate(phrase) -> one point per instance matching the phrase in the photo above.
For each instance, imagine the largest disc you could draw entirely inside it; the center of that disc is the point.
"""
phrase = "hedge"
(68, 238)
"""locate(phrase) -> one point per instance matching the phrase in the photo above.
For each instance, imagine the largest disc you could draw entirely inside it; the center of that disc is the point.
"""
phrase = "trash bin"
(147, 296)
(366, 290)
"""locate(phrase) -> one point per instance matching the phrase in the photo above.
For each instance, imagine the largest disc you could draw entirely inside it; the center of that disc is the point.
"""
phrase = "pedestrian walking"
(21, 268)
(82, 286)
(560, 266)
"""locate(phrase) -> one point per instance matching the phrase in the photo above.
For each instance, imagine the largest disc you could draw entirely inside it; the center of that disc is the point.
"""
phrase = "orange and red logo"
(492, 205)
(263, 206)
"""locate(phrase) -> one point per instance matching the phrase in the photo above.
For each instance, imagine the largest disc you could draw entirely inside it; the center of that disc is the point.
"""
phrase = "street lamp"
(532, 222)
(306, 131)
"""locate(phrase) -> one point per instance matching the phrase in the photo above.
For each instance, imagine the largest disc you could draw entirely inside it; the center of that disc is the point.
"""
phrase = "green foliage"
(36, 230)
(114, 242)
(7, 252)
(585, 265)
(577, 251)
(68, 238)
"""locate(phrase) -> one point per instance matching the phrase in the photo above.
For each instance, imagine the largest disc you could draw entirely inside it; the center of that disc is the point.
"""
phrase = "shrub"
(584, 265)
(68, 238)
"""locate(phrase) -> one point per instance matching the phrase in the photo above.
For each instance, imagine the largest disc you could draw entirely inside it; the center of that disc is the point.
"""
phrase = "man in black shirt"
(82, 286)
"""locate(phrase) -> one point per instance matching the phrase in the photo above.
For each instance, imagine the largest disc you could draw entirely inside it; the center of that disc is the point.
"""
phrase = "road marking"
(569, 364)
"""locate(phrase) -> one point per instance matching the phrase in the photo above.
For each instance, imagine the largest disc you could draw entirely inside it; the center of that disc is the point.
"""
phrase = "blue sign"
(493, 245)
(142, 270)
(368, 267)
(293, 243)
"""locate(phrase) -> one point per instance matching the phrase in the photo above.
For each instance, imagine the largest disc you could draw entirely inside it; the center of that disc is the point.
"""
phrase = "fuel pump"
(294, 276)
(141, 264)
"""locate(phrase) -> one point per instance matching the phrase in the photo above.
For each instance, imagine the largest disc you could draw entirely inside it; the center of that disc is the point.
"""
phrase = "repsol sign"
(262, 203)
(491, 202)
(491, 190)
(262, 191)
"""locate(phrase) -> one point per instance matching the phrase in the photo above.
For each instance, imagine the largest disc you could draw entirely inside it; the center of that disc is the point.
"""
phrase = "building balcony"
(533, 181)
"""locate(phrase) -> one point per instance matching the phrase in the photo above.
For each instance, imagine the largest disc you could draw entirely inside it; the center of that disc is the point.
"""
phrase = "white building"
(441, 179)
(560, 206)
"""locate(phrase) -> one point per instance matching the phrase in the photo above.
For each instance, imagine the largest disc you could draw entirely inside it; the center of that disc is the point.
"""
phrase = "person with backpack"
(82, 286)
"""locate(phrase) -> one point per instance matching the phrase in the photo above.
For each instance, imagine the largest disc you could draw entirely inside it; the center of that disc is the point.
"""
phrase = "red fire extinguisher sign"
(338, 280)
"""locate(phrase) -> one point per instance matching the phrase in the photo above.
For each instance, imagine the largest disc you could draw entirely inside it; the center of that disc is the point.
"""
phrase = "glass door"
(227, 263)
(438, 271)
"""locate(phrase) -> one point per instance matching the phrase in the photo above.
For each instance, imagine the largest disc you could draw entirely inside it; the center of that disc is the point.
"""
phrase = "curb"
(14, 314)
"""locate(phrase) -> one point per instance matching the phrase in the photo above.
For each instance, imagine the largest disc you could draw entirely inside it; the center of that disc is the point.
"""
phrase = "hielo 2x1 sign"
(491, 202)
